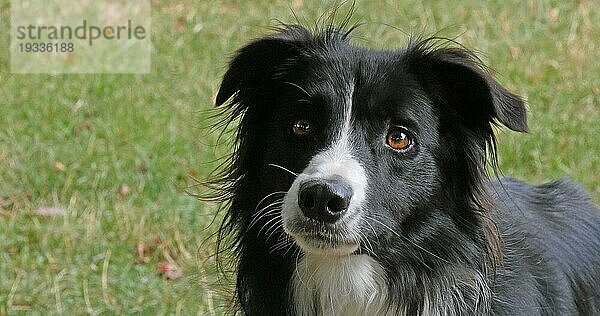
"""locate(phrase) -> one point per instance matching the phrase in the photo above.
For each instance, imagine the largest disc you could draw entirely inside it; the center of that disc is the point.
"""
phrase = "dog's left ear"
(459, 79)
(255, 64)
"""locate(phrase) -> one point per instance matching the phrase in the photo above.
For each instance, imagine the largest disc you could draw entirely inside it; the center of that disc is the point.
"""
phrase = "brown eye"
(302, 127)
(398, 139)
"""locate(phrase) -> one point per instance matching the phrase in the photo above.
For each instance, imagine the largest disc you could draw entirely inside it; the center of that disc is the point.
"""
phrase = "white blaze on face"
(336, 161)
(330, 280)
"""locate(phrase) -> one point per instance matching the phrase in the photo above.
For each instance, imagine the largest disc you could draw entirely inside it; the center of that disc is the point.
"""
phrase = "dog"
(358, 186)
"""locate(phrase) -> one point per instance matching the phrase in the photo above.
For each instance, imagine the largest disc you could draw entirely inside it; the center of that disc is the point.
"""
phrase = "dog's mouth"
(324, 240)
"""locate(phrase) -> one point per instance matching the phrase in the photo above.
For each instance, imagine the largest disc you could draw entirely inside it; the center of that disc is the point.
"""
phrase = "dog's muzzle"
(322, 209)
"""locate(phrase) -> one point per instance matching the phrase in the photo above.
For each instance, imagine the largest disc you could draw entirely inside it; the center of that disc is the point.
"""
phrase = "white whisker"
(273, 229)
(266, 197)
(283, 168)
(299, 87)
(268, 223)
(265, 212)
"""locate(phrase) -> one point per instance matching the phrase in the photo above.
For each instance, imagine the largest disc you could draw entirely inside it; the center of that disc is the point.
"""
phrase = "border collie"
(358, 186)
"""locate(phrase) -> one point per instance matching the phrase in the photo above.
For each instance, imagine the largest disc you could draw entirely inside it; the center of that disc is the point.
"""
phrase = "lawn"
(116, 155)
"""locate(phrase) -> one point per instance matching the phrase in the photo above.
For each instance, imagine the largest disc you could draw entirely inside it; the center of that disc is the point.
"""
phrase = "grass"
(117, 152)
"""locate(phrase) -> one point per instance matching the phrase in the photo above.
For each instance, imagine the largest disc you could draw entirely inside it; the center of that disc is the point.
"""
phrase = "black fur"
(436, 224)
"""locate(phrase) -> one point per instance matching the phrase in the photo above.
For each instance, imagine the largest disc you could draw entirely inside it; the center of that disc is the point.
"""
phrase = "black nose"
(324, 200)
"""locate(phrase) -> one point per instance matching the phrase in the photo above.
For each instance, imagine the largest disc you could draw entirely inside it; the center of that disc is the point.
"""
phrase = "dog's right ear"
(256, 64)
(461, 80)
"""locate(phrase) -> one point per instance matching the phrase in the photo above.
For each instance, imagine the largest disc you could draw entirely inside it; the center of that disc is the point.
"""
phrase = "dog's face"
(365, 146)
(365, 134)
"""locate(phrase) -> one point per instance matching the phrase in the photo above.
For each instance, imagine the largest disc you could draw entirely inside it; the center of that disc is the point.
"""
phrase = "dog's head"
(360, 150)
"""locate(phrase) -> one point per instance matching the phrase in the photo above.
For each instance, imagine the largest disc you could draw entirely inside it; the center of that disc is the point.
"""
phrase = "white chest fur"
(348, 285)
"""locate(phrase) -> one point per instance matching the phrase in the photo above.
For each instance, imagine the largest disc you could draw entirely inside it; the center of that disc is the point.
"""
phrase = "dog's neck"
(348, 285)
(356, 285)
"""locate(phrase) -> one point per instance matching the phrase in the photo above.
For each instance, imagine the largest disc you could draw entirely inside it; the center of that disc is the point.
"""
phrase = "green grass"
(145, 131)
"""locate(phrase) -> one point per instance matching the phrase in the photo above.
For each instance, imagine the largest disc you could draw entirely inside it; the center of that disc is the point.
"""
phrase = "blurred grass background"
(117, 152)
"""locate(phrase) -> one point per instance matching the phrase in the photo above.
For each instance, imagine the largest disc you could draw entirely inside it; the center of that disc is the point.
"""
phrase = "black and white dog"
(358, 187)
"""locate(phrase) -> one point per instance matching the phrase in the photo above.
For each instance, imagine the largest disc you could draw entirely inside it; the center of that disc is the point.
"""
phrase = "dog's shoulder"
(551, 236)
(559, 211)
(550, 201)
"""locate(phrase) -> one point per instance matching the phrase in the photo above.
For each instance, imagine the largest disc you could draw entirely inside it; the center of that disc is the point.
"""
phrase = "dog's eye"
(398, 138)
(302, 127)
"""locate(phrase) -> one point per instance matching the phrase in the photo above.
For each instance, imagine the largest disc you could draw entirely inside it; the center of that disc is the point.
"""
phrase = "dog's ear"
(255, 64)
(459, 79)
